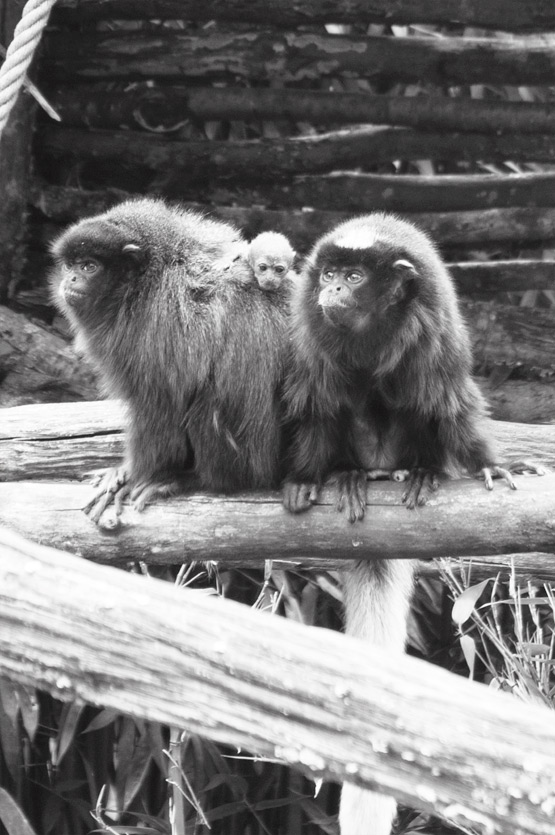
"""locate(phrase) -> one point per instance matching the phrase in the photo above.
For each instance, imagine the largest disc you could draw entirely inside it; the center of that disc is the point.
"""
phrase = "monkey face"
(269, 273)
(358, 289)
(94, 260)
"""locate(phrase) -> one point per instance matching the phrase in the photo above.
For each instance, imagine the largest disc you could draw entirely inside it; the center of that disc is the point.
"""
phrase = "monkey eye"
(88, 266)
(262, 267)
(327, 275)
(355, 277)
(279, 269)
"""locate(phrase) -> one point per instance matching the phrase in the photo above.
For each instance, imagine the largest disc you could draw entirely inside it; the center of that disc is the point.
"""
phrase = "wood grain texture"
(276, 688)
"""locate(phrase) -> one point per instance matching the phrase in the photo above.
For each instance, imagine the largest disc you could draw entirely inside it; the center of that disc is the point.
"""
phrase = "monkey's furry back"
(188, 348)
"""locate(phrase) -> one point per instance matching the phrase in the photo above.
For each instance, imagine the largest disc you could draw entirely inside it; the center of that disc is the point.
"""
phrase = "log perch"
(463, 519)
(277, 688)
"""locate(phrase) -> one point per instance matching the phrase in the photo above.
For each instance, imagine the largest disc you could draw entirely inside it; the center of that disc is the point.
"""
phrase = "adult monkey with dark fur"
(381, 380)
(195, 355)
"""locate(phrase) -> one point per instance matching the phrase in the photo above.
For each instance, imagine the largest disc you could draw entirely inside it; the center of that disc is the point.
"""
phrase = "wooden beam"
(507, 15)
(260, 159)
(302, 57)
(303, 227)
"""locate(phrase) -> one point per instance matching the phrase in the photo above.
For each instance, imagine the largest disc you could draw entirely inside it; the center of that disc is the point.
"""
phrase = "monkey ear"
(405, 265)
(405, 271)
(131, 249)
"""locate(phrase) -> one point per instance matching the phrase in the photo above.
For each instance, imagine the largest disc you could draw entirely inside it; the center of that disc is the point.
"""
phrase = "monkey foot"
(299, 496)
(144, 492)
(112, 488)
(422, 484)
(351, 487)
(393, 475)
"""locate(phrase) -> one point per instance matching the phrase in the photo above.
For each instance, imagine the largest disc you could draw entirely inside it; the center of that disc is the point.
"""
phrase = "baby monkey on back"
(269, 257)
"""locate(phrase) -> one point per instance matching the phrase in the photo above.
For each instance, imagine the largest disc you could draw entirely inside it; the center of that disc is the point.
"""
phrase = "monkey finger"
(119, 498)
(501, 472)
(144, 492)
(351, 486)
(298, 496)
(525, 466)
(422, 483)
(489, 473)
(98, 504)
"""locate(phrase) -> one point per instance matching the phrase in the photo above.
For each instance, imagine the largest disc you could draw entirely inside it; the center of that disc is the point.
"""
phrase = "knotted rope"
(20, 53)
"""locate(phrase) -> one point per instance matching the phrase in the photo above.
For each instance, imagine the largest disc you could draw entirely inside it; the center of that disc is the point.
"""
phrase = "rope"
(20, 53)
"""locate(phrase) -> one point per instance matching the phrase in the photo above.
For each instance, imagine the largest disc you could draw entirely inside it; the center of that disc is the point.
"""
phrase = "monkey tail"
(377, 599)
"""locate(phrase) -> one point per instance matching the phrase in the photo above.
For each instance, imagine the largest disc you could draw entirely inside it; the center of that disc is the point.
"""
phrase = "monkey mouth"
(72, 296)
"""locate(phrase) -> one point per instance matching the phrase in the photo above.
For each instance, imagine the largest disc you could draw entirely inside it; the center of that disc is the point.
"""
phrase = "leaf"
(102, 720)
(29, 707)
(12, 817)
(465, 605)
(468, 647)
(71, 714)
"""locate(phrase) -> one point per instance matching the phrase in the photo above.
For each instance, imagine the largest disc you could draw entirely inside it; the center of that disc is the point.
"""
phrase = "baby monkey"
(269, 257)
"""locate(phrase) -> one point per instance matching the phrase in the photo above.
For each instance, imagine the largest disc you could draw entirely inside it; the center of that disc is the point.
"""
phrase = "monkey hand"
(520, 467)
(422, 483)
(351, 489)
(299, 496)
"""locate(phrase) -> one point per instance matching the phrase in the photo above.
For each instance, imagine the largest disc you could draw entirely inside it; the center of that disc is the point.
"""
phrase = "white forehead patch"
(355, 239)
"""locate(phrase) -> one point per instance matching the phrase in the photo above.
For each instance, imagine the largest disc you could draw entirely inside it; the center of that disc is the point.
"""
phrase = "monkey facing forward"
(196, 359)
(268, 261)
(380, 380)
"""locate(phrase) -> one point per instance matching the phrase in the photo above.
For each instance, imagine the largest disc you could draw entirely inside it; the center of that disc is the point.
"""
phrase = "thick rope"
(20, 53)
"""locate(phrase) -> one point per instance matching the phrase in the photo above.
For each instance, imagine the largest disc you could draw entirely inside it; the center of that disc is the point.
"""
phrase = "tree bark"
(301, 57)
(275, 687)
(508, 15)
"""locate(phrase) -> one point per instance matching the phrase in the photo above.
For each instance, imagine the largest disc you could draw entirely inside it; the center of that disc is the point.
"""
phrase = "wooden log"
(260, 159)
(62, 441)
(394, 193)
(275, 687)
(213, 527)
(481, 277)
(521, 401)
(71, 439)
(316, 106)
(298, 57)
(508, 15)
(38, 365)
(303, 227)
